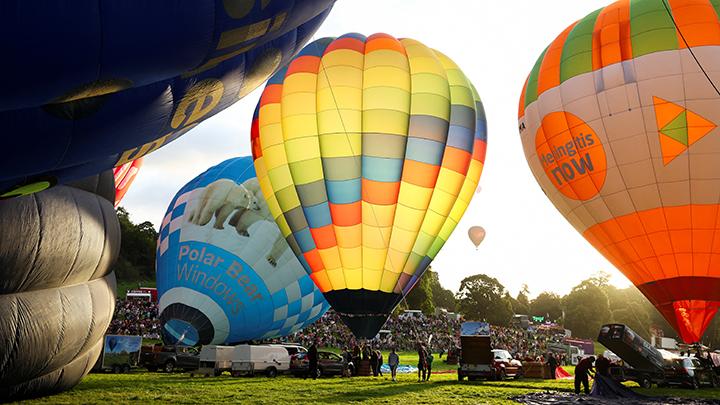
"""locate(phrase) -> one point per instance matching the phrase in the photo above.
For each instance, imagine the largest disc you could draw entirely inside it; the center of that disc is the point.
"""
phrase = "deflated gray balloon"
(57, 293)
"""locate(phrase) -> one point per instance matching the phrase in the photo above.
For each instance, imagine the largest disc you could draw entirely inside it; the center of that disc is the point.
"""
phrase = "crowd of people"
(532, 344)
(135, 317)
(400, 333)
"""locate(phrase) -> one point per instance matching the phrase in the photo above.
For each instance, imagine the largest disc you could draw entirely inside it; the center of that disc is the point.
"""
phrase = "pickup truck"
(170, 358)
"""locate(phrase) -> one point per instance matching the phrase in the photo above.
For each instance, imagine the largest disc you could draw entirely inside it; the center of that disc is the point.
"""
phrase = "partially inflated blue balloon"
(225, 274)
(88, 85)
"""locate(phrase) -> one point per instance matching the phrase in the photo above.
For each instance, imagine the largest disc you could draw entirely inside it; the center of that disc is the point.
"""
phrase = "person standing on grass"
(422, 361)
(428, 361)
(552, 364)
(393, 361)
(582, 370)
(313, 360)
(379, 362)
(374, 362)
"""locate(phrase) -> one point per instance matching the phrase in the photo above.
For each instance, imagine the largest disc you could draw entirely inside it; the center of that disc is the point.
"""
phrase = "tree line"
(589, 305)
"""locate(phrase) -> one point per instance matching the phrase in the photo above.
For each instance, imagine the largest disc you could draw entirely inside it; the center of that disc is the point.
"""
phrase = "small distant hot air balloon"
(476, 235)
(124, 176)
(618, 119)
(368, 150)
(225, 274)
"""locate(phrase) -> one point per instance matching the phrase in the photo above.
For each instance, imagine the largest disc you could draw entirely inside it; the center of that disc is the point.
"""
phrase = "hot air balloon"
(124, 176)
(476, 235)
(618, 120)
(368, 150)
(129, 77)
(57, 290)
(225, 274)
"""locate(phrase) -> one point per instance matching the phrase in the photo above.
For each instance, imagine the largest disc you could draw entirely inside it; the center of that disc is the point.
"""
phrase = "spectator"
(428, 362)
(374, 362)
(379, 363)
(393, 361)
(422, 361)
(552, 364)
(313, 360)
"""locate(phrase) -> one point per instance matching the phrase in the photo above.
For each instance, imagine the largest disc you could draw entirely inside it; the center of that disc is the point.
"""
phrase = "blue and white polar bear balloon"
(225, 274)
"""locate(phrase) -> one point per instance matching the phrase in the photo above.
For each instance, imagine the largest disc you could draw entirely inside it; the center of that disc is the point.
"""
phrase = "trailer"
(120, 354)
(214, 360)
(643, 363)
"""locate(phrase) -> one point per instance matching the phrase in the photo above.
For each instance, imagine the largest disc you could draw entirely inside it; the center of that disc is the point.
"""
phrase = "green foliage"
(547, 304)
(421, 296)
(482, 297)
(137, 249)
(442, 297)
(586, 309)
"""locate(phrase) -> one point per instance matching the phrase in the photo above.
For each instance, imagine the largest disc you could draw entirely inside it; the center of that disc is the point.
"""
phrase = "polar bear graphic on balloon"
(243, 203)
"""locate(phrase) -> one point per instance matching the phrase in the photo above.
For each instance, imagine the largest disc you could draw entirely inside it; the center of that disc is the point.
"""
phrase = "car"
(171, 358)
(328, 364)
(291, 348)
(505, 366)
(690, 372)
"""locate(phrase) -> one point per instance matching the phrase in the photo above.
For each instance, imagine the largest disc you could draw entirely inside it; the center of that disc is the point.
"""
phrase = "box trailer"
(214, 360)
(120, 353)
(257, 359)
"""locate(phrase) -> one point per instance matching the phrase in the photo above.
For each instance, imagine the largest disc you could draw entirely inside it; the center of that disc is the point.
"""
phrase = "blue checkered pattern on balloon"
(218, 285)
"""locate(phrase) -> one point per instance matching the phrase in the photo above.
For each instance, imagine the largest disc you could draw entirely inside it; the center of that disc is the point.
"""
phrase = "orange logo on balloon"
(571, 154)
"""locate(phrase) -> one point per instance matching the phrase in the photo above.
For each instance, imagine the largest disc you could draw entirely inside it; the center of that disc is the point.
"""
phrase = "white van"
(256, 359)
(214, 360)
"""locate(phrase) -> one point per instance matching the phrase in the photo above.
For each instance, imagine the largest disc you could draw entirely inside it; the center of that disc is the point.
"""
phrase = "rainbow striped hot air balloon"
(618, 120)
(368, 150)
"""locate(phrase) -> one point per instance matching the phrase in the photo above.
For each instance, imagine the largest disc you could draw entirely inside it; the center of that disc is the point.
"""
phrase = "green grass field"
(145, 387)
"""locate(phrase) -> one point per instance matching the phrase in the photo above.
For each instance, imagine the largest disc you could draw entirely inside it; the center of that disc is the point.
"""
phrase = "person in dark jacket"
(602, 365)
(552, 364)
(313, 360)
(422, 361)
(374, 362)
(582, 370)
(379, 363)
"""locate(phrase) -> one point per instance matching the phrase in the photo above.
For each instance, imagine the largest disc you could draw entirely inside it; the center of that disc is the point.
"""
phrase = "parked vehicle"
(291, 348)
(328, 364)
(214, 360)
(260, 359)
(170, 358)
(505, 366)
(643, 363)
(120, 353)
(479, 360)
(690, 372)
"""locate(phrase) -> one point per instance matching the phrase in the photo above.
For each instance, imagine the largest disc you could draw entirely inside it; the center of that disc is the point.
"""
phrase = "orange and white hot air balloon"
(476, 235)
(618, 120)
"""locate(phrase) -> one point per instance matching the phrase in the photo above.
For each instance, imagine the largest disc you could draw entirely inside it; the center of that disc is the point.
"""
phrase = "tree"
(547, 304)
(442, 297)
(421, 296)
(482, 297)
(137, 249)
(586, 309)
(521, 304)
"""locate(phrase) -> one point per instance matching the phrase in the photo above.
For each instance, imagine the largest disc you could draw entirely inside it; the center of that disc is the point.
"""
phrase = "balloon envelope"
(369, 150)
(476, 235)
(129, 77)
(618, 120)
(124, 176)
(224, 272)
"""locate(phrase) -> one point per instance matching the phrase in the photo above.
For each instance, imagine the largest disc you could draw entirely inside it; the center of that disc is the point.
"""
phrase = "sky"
(496, 44)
